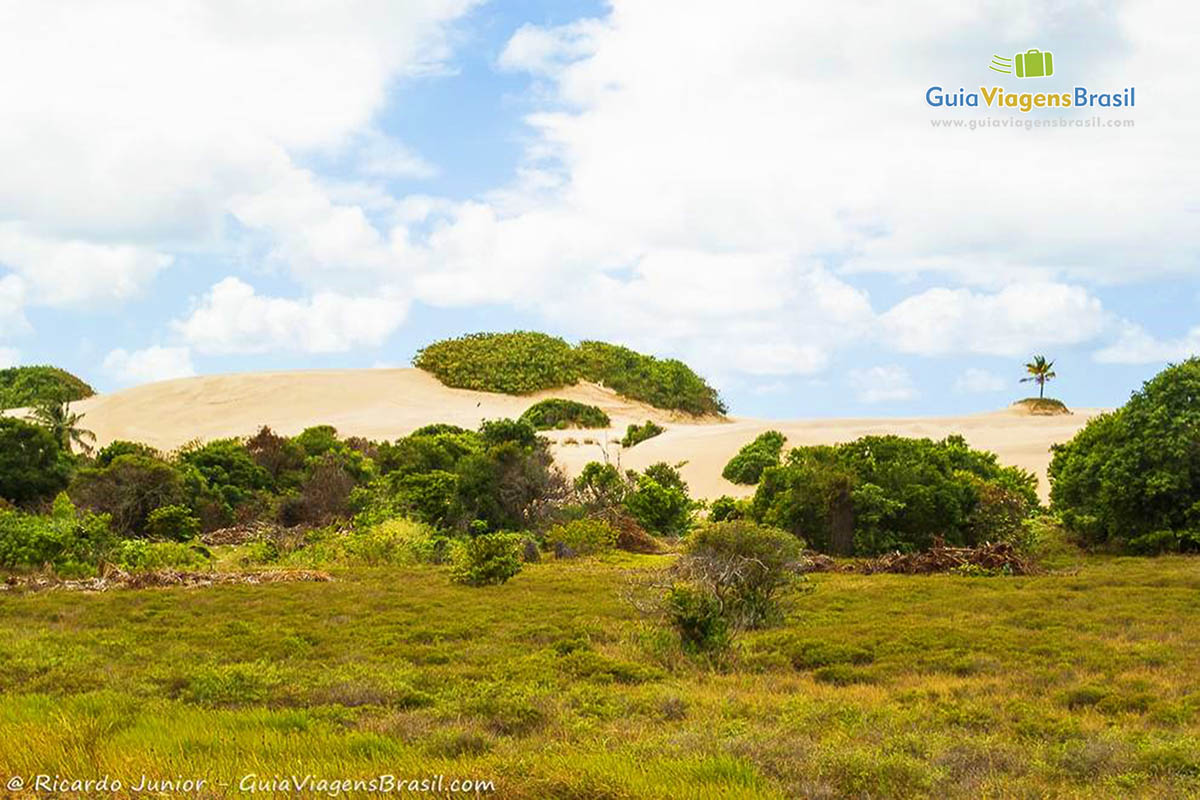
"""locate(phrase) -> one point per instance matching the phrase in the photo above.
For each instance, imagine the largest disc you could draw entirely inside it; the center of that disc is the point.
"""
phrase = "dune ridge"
(388, 403)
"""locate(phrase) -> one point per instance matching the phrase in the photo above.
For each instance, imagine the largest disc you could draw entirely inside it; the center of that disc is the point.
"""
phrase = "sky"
(762, 190)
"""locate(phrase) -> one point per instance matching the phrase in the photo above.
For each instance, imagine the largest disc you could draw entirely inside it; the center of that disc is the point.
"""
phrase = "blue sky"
(759, 191)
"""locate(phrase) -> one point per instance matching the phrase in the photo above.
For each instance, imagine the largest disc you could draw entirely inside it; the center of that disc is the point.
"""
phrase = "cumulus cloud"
(680, 146)
(979, 381)
(145, 128)
(885, 384)
(12, 302)
(73, 273)
(149, 364)
(1010, 322)
(1135, 345)
(233, 318)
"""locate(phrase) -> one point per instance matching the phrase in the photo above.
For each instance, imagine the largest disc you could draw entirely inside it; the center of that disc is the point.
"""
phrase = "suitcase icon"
(1035, 64)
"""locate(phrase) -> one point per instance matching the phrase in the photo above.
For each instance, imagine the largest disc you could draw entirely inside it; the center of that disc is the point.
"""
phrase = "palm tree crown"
(63, 424)
(1040, 372)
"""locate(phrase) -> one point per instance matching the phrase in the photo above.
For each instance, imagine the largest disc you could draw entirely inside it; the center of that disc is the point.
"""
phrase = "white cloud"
(149, 365)
(380, 156)
(73, 273)
(12, 304)
(979, 381)
(144, 127)
(233, 318)
(1135, 345)
(690, 160)
(1013, 321)
(887, 384)
(9, 357)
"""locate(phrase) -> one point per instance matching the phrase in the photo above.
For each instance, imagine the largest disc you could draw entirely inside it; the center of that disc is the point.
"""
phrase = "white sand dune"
(388, 403)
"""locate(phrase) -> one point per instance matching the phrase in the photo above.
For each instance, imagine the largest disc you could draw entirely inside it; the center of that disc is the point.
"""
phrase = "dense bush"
(32, 466)
(229, 468)
(72, 543)
(110, 452)
(747, 466)
(24, 387)
(726, 509)
(557, 414)
(656, 500)
(663, 383)
(1131, 479)
(513, 363)
(135, 555)
(659, 502)
(883, 493)
(487, 559)
(522, 362)
(636, 434)
(744, 566)
(281, 457)
(582, 537)
(393, 542)
(501, 477)
(697, 616)
(173, 522)
(128, 490)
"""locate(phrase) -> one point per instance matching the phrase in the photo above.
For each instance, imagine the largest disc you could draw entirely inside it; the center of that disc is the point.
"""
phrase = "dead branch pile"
(113, 578)
(994, 557)
(240, 534)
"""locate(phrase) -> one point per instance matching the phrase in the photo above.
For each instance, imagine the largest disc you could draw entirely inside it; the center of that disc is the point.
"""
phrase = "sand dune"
(388, 403)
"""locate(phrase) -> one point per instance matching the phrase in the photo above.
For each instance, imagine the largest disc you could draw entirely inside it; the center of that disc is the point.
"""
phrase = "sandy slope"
(385, 404)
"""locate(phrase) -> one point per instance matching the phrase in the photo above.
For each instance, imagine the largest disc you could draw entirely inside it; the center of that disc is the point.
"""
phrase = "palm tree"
(1040, 372)
(63, 424)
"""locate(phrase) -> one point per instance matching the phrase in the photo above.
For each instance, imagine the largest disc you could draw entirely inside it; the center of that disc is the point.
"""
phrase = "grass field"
(1078, 685)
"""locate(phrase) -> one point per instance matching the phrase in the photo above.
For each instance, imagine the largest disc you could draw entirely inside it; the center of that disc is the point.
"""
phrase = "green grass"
(1079, 685)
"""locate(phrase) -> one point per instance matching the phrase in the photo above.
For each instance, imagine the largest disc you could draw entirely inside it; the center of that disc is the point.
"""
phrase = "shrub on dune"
(557, 414)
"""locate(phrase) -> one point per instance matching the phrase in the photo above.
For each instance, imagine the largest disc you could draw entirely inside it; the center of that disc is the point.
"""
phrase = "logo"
(1032, 63)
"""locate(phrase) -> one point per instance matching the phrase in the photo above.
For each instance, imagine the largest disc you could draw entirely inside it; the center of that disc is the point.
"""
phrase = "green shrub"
(522, 362)
(636, 434)
(32, 465)
(128, 490)
(582, 537)
(1131, 478)
(557, 414)
(176, 523)
(229, 469)
(136, 555)
(663, 383)
(658, 500)
(503, 476)
(601, 486)
(281, 457)
(883, 493)
(726, 509)
(697, 616)
(744, 566)
(25, 387)
(71, 542)
(747, 466)
(397, 541)
(114, 450)
(490, 558)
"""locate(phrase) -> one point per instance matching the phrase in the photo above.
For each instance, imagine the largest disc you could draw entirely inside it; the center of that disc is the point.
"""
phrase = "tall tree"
(63, 425)
(1040, 372)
